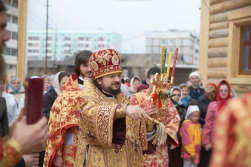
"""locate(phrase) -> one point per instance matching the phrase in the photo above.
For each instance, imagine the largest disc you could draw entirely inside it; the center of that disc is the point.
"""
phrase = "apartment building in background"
(187, 42)
(63, 45)
(10, 51)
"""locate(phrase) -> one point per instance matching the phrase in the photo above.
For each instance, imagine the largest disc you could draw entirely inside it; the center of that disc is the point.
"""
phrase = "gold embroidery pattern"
(143, 136)
(69, 154)
(120, 111)
(133, 159)
(97, 117)
(64, 115)
(103, 120)
(60, 152)
(95, 157)
(167, 115)
(81, 149)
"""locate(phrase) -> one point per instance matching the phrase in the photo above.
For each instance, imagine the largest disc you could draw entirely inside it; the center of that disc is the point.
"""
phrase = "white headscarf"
(55, 83)
(180, 93)
(131, 83)
(191, 109)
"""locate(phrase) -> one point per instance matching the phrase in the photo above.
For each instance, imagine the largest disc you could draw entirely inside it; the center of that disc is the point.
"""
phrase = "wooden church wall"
(216, 39)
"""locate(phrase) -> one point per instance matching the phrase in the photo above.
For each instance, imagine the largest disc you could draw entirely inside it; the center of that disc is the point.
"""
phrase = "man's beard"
(111, 90)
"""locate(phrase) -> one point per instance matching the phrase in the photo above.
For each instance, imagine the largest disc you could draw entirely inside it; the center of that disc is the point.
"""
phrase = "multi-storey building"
(187, 42)
(63, 45)
(10, 51)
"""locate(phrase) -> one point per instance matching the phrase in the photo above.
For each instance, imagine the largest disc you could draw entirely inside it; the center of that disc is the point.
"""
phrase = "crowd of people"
(198, 109)
(190, 128)
(93, 116)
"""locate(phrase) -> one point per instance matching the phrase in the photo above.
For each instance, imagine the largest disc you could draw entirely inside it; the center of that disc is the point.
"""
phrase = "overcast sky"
(131, 18)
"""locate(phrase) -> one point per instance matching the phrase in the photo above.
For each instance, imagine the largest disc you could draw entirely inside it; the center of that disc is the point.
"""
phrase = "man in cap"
(195, 91)
(112, 132)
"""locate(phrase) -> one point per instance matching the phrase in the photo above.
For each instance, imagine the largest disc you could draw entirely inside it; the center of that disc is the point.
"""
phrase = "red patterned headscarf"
(223, 102)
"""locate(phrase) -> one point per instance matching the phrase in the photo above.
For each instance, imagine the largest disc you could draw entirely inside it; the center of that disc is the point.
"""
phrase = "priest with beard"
(112, 131)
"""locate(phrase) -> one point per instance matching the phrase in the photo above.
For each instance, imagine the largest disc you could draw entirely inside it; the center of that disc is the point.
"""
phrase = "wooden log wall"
(217, 26)
(241, 89)
(229, 5)
(218, 41)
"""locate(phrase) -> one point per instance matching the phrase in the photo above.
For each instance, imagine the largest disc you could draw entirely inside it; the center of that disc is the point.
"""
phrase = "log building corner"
(225, 43)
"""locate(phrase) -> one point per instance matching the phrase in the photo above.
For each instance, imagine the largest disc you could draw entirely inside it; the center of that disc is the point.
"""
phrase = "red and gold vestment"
(109, 138)
(10, 152)
(64, 120)
(169, 116)
(232, 137)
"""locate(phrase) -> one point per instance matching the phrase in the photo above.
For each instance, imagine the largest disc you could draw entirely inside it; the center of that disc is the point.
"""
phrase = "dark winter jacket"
(182, 110)
(192, 94)
(4, 124)
(203, 105)
(49, 98)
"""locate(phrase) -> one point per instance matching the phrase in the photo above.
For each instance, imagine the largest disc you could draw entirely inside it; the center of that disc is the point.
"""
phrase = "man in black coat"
(195, 91)
(49, 98)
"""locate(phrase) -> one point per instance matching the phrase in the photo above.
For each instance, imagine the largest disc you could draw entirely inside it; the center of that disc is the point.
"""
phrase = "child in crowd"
(191, 137)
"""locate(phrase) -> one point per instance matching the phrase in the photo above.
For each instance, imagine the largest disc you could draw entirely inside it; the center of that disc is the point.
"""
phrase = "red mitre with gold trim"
(105, 62)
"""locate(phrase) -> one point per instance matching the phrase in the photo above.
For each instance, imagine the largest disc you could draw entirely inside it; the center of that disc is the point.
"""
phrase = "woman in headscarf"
(135, 82)
(10, 102)
(50, 96)
(176, 99)
(16, 88)
(212, 113)
(174, 157)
